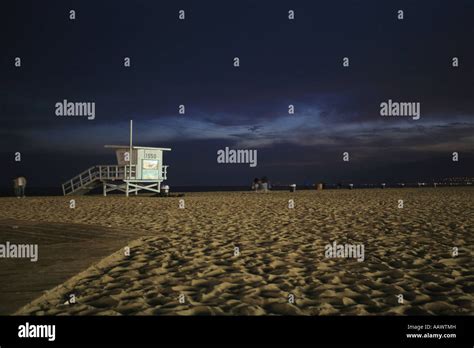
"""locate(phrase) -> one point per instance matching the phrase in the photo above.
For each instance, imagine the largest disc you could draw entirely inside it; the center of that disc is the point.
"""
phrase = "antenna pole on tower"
(131, 149)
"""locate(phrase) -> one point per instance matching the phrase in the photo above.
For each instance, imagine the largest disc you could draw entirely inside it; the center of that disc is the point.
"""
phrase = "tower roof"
(136, 147)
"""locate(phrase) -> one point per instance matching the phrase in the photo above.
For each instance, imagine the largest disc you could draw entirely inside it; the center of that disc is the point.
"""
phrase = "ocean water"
(57, 191)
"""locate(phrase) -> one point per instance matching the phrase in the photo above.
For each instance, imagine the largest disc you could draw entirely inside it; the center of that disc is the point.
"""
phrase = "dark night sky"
(282, 62)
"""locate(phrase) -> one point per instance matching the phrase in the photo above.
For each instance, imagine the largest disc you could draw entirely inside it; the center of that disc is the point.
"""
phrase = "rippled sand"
(185, 263)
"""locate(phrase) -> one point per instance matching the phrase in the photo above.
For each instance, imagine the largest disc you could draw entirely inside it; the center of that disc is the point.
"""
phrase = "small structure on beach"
(138, 168)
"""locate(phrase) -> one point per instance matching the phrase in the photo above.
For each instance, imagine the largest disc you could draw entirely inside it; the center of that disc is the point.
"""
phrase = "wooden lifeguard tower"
(138, 168)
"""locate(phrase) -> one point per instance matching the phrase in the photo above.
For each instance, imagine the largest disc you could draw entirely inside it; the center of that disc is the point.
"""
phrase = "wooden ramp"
(93, 177)
(63, 251)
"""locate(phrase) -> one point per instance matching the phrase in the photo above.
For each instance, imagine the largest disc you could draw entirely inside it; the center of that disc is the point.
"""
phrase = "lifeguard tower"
(138, 168)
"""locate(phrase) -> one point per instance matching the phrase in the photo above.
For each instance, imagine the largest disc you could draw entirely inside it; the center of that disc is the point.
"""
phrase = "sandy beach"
(185, 261)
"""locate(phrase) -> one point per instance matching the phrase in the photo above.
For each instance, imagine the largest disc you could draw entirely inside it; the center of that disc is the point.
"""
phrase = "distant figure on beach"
(19, 185)
(265, 184)
(256, 184)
